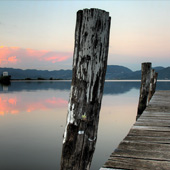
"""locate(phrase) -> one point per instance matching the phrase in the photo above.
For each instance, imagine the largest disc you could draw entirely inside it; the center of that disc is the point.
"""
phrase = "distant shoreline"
(22, 80)
(114, 72)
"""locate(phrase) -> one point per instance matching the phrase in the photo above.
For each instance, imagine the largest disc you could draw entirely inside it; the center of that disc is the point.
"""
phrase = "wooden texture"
(155, 81)
(151, 88)
(147, 145)
(89, 68)
(144, 89)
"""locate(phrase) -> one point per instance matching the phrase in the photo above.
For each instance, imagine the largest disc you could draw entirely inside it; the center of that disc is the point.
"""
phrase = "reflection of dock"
(147, 146)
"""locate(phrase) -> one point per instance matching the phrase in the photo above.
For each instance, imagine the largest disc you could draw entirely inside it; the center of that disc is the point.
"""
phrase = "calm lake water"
(33, 117)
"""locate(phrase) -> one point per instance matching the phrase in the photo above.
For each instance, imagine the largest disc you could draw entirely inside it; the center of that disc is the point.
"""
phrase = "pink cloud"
(55, 59)
(36, 53)
(63, 58)
(12, 59)
(15, 48)
(15, 55)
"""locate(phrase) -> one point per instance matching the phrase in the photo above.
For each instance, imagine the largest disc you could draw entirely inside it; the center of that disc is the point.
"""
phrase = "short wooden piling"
(89, 68)
(155, 77)
(144, 89)
(151, 85)
(153, 82)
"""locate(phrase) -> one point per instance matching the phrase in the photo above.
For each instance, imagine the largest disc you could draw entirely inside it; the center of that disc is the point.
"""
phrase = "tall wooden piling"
(144, 89)
(89, 68)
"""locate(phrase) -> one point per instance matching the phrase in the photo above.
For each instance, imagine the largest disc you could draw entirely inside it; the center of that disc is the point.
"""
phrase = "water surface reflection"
(33, 115)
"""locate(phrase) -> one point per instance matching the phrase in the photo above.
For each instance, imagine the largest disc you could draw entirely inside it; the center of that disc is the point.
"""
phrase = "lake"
(33, 117)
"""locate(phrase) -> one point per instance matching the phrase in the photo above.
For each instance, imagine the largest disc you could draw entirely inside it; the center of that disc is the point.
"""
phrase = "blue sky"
(40, 34)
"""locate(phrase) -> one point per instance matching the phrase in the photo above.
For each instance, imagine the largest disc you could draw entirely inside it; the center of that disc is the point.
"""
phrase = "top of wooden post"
(92, 10)
(146, 64)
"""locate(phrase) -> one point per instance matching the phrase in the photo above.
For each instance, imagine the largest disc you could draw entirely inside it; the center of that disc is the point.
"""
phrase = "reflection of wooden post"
(89, 68)
(151, 85)
(144, 89)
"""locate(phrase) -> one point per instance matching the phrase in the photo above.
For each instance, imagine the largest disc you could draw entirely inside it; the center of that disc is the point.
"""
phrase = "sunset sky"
(40, 34)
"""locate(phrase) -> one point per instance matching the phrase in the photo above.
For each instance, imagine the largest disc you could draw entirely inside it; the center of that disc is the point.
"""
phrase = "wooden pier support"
(89, 68)
(144, 89)
(155, 77)
(153, 82)
(151, 85)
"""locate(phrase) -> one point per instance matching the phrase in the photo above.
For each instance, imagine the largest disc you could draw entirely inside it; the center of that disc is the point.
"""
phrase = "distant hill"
(164, 73)
(37, 74)
(114, 72)
(117, 72)
(123, 73)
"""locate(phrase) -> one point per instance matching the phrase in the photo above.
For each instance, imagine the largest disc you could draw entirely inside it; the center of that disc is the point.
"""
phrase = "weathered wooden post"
(155, 77)
(89, 68)
(151, 85)
(144, 89)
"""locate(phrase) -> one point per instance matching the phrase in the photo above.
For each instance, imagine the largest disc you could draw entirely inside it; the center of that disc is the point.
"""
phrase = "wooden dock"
(147, 145)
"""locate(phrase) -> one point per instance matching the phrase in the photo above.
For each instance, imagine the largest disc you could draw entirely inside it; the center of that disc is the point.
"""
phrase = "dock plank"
(139, 164)
(158, 139)
(147, 145)
(151, 155)
(138, 132)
